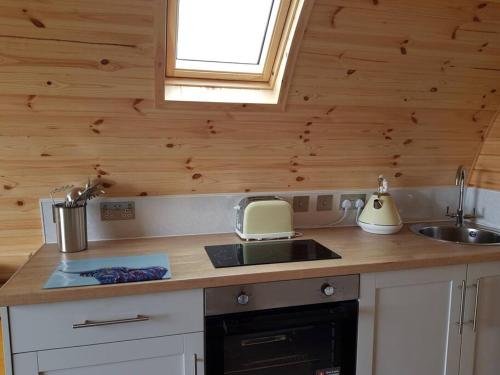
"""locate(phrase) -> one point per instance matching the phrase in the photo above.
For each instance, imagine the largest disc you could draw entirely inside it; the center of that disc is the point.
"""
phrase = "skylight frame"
(215, 71)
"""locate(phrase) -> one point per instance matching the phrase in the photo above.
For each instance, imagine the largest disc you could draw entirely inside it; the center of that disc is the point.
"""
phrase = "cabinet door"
(407, 322)
(481, 342)
(172, 355)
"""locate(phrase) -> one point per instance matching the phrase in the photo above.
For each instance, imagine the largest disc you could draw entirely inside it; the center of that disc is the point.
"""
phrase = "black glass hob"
(252, 253)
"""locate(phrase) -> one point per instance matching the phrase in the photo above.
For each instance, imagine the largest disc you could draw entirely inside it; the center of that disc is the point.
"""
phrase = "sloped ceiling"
(400, 87)
(486, 172)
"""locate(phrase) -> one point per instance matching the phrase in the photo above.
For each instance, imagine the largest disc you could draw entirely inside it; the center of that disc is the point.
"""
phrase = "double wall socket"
(353, 198)
(117, 211)
(325, 202)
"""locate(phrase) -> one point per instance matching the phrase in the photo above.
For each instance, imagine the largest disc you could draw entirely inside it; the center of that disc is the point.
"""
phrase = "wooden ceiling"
(400, 87)
(487, 166)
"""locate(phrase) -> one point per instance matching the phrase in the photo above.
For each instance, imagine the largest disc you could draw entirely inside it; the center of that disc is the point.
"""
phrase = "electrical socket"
(117, 211)
(324, 202)
(301, 203)
(353, 198)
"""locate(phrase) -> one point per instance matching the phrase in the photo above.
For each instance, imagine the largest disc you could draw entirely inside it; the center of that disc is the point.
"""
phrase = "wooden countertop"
(191, 268)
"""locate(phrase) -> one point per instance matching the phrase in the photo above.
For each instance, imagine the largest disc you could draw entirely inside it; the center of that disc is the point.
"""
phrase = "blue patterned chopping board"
(101, 271)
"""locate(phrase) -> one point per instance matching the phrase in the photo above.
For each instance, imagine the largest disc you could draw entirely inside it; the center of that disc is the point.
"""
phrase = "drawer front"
(57, 325)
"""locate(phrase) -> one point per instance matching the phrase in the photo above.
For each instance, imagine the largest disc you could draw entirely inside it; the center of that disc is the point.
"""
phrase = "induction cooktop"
(253, 253)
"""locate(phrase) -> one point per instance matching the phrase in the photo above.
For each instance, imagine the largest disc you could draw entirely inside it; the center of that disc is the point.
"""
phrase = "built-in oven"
(299, 327)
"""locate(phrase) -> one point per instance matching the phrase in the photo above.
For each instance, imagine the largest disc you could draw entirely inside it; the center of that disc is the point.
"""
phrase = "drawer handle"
(97, 323)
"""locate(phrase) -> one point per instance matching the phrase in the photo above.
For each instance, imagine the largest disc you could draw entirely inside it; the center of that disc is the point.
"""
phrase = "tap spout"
(460, 182)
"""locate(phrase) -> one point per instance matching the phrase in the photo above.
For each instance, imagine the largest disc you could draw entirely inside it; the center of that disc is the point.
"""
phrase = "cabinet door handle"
(460, 323)
(476, 304)
(97, 323)
(195, 363)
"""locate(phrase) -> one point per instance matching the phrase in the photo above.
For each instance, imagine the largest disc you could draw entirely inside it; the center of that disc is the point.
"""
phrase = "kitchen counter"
(191, 268)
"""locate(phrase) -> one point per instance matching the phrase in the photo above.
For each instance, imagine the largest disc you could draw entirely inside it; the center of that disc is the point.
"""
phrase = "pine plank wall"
(487, 167)
(400, 87)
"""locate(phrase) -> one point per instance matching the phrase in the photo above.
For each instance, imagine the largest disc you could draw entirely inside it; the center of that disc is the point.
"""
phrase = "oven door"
(304, 340)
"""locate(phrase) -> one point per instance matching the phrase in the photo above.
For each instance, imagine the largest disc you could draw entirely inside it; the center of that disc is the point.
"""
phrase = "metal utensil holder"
(71, 227)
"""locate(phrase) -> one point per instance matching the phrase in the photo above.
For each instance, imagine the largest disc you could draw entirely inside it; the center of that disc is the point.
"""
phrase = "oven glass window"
(305, 340)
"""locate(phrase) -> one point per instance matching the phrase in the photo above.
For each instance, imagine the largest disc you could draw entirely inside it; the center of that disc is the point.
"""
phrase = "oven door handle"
(263, 340)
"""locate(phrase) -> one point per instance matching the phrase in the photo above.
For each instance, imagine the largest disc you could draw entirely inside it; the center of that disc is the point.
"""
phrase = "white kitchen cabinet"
(51, 325)
(481, 341)
(172, 355)
(408, 322)
(158, 333)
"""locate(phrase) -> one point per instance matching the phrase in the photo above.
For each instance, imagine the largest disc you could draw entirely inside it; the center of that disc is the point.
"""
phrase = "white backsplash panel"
(214, 213)
(487, 204)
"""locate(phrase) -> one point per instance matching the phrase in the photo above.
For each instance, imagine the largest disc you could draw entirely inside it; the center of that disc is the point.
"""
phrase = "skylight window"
(233, 31)
(227, 54)
(224, 39)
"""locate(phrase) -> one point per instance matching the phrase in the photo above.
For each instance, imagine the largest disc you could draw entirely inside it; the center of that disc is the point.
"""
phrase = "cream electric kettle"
(380, 215)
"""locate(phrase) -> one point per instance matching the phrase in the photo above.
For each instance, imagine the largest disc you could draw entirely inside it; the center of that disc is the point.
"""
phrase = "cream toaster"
(264, 218)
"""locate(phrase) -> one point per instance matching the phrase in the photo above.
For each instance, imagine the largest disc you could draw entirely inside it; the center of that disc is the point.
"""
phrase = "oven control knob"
(243, 299)
(328, 290)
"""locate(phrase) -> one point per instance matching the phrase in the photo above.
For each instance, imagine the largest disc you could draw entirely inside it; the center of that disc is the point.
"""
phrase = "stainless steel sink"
(467, 234)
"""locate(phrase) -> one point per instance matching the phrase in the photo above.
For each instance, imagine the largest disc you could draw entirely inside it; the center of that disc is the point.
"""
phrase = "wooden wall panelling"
(124, 23)
(397, 87)
(486, 173)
